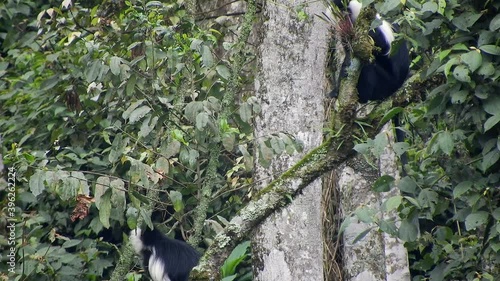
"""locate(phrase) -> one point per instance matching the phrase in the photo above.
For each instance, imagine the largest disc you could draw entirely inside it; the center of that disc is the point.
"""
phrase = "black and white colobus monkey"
(165, 259)
(387, 73)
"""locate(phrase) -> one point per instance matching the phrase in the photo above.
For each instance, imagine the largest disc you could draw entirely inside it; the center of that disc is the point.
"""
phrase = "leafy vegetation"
(101, 102)
(450, 198)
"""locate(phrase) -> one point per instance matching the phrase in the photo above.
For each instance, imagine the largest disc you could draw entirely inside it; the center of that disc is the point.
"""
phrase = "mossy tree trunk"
(289, 85)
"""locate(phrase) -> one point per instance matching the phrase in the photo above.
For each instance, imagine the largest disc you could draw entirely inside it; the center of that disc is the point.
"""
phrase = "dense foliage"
(450, 198)
(105, 101)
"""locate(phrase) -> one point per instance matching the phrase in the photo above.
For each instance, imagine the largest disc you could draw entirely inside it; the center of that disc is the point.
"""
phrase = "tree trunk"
(377, 256)
(289, 85)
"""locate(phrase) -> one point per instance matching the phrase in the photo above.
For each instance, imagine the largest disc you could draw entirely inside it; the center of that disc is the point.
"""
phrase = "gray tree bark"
(377, 256)
(289, 85)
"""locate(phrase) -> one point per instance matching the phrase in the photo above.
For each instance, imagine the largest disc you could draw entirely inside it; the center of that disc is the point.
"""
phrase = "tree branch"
(336, 149)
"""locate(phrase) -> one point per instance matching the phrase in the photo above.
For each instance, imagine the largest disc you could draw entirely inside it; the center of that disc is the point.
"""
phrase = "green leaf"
(69, 188)
(245, 112)
(104, 208)
(265, 154)
(174, 20)
(277, 145)
(475, 220)
(408, 230)
(247, 158)
(487, 69)
(460, 47)
(389, 6)
(388, 227)
(188, 156)
(492, 105)
(428, 198)
(102, 185)
(444, 233)
(192, 109)
(472, 59)
(147, 126)
(193, 157)
(131, 216)
(114, 65)
(363, 148)
(173, 148)
(131, 108)
(223, 71)
(491, 122)
(139, 197)
(442, 6)
(162, 166)
(461, 189)
(228, 141)
(490, 49)
(343, 226)
(147, 217)
(466, 20)
(379, 144)
(459, 97)
(117, 148)
(118, 198)
(92, 72)
(36, 183)
(235, 258)
(407, 185)
(52, 178)
(365, 214)
(429, 7)
(71, 243)
(130, 87)
(50, 83)
(393, 203)
(495, 23)
(383, 184)
(196, 44)
(438, 273)
(461, 73)
(139, 113)
(400, 148)
(176, 198)
(201, 120)
(445, 142)
(391, 114)
(207, 57)
(496, 214)
(490, 159)
(361, 235)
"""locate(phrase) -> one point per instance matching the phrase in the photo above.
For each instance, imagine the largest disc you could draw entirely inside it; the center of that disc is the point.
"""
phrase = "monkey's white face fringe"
(135, 240)
(388, 33)
(385, 27)
(355, 8)
(156, 267)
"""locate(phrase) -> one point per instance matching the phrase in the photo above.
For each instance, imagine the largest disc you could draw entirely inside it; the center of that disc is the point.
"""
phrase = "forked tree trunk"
(289, 86)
